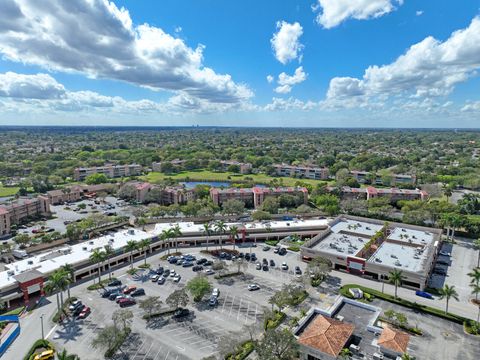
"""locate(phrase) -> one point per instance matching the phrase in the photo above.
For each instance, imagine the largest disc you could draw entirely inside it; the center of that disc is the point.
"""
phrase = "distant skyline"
(305, 63)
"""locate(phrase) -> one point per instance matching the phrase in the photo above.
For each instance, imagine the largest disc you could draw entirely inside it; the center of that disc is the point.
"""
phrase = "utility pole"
(41, 320)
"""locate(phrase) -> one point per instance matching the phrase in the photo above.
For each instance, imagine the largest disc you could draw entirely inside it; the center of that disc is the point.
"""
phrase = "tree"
(70, 271)
(233, 207)
(177, 298)
(21, 239)
(127, 192)
(395, 278)
(207, 231)
(345, 353)
(318, 269)
(96, 179)
(447, 190)
(167, 234)
(270, 205)
(408, 357)
(141, 221)
(66, 356)
(98, 257)
(108, 250)
(198, 287)
(475, 281)
(328, 203)
(476, 245)
(143, 245)
(260, 215)
(55, 284)
(234, 234)
(150, 305)
(73, 232)
(448, 292)
(176, 233)
(220, 228)
(277, 345)
(122, 317)
(106, 338)
(131, 247)
(341, 176)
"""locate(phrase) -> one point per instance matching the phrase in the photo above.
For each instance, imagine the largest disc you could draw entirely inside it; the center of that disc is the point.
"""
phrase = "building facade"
(305, 172)
(110, 171)
(244, 168)
(21, 210)
(371, 192)
(376, 179)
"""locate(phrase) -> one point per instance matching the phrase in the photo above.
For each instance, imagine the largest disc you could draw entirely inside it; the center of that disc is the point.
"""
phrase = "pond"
(216, 184)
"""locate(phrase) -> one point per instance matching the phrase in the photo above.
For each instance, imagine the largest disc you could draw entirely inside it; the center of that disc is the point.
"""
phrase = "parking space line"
(168, 353)
(247, 313)
(224, 301)
(150, 348)
(239, 307)
(139, 348)
(231, 306)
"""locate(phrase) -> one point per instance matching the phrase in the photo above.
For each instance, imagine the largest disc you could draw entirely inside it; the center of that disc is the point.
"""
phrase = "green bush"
(39, 344)
(226, 275)
(16, 311)
(101, 285)
(471, 327)
(245, 349)
(121, 339)
(159, 313)
(271, 242)
(132, 271)
(295, 248)
(275, 321)
(144, 266)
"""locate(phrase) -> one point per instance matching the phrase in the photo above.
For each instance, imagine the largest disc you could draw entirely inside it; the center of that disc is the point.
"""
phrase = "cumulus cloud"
(334, 12)
(473, 106)
(286, 42)
(270, 78)
(427, 69)
(39, 86)
(285, 82)
(290, 104)
(419, 12)
(96, 38)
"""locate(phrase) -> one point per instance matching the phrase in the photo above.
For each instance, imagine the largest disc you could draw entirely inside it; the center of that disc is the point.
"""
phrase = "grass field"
(8, 191)
(205, 175)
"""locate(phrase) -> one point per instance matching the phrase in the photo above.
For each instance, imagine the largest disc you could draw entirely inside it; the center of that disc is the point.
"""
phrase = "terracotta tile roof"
(394, 340)
(327, 335)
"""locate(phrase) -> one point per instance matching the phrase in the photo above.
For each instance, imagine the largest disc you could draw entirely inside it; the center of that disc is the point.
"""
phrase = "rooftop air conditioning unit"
(30, 262)
(84, 248)
(91, 242)
(10, 273)
(131, 232)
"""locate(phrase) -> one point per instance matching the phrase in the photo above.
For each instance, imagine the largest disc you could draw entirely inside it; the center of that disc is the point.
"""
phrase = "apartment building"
(111, 171)
(254, 197)
(396, 179)
(177, 195)
(68, 194)
(20, 210)
(159, 166)
(306, 172)
(245, 168)
(371, 192)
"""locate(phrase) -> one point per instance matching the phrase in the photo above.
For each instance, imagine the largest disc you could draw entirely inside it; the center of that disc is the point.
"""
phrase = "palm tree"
(234, 234)
(131, 247)
(207, 231)
(476, 292)
(220, 228)
(395, 278)
(66, 356)
(407, 357)
(456, 222)
(176, 232)
(98, 256)
(141, 221)
(167, 234)
(108, 249)
(143, 246)
(476, 245)
(70, 271)
(448, 292)
(345, 353)
(54, 285)
(447, 190)
(475, 280)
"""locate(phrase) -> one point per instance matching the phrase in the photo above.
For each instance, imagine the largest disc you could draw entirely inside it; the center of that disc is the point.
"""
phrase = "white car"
(253, 287)
(209, 272)
(284, 266)
(216, 292)
(177, 278)
(75, 304)
(444, 253)
(173, 274)
(154, 278)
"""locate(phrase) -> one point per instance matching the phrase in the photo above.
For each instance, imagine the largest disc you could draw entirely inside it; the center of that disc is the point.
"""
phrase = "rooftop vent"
(84, 248)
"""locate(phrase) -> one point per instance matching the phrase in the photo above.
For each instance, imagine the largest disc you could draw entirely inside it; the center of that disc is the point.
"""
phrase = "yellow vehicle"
(45, 355)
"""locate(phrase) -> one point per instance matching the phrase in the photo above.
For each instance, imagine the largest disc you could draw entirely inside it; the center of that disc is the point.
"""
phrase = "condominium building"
(158, 166)
(22, 209)
(306, 172)
(371, 192)
(111, 171)
(396, 179)
(245, 168)
(68, 194)
(254, 197)
(177, 195)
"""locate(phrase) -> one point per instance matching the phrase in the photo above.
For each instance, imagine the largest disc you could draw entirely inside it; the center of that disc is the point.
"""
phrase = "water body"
(215, 184)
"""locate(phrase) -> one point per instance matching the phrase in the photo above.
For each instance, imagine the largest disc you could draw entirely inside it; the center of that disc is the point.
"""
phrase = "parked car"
(216, 292)
(120, 297)
(443, 262)
(187, 264)
(247, 257)
(444, 253)
(282, 251)
(173, 273)
(284, 266)
(208, 263)
(75, 305)
(276, 250)
(154, 278)
(266, 248)
(78, 310)
(161, 281)
(138, 292)
(209, 272)
(115, 282)
(197, 268)
(213, 301)
(130, 289)
(177, 278)
(298, 271)
(253, 287)
(84, 313)
(258, 266)
(181, 313)
(106, 293)
(201, 261)
(159, 271)
(113, 295)
(166, 273)
(265, 267)
(272, 263)
(424, 294)
(127, 302)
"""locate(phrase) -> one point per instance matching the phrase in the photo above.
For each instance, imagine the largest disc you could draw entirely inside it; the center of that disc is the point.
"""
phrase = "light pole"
(383, 282)
(41, 320)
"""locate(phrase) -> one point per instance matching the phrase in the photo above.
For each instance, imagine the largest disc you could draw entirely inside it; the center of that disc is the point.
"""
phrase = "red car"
(126, 302)
(84, 313)
(129, 289)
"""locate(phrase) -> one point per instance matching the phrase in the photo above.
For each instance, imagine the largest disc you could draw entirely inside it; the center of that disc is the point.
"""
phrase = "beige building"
(305, 172)
(245, 168)
(4, 222)
(111, 171)
(61, 196)
(22, 209)
(370, 192)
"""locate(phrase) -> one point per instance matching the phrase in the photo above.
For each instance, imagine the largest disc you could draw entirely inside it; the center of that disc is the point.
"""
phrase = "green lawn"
(205, 175)
(8, 191)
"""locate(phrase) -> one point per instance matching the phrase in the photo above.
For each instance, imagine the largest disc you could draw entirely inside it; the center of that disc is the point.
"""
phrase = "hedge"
(271, 242)
(413, 305)
(245, 349)
(44, 344)
(226, 275)
(100, 285)
(273, 323)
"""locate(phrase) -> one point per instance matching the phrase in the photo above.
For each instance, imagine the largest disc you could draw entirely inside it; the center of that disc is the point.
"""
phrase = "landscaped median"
(38, 347)
(273, 321)
(242, 351)
(467, 323)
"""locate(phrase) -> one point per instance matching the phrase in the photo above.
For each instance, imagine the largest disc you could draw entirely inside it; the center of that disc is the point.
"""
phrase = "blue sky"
(331, 63)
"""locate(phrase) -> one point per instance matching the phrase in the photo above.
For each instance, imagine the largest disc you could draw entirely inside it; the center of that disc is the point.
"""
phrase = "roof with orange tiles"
(394, 340)
(326, 335)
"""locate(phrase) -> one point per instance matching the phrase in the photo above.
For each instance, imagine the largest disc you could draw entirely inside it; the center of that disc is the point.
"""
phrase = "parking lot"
(194, 337)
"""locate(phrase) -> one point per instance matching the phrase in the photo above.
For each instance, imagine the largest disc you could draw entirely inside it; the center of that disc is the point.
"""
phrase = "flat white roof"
(50, 261)
(402, 257)
(411, 236)
(358, 227)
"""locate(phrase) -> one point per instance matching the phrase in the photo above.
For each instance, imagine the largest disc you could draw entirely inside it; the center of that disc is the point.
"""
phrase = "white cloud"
(419, 12)
(473, 106)
(39, 86)
(290, 104)
(96, 38)
(285, 82)
(270, 79)
(428, 68)
(334, 12)
(285, 43)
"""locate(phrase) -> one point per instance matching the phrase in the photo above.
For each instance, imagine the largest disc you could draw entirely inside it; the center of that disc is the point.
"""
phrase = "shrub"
(132, 271)
(16, 311)
(471, 327)
(144, 266)
(226, 275)
(245, 349)
(39, 344)
(100, 285)
(271, 242)
(121, 339)
(295, 248)
(275, 321)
